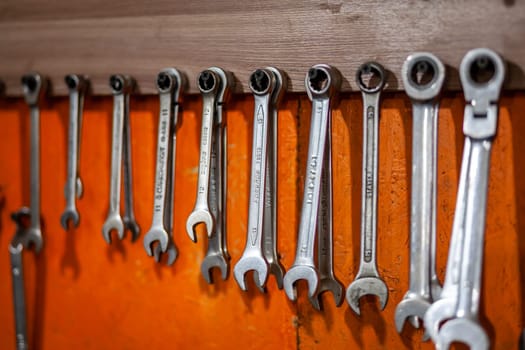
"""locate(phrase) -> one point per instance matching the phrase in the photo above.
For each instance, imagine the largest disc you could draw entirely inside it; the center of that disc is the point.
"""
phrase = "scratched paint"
(85, 294)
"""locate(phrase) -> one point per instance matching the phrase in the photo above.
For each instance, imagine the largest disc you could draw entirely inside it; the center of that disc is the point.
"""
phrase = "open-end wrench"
(482, 72)
(77, 85)
(423, 76)
(322, 82)
(34, 86)
(169, 84)
(270, 209)
(327, 280)
(121, 86)
(367, 281)
(217, 254)
(263, 84)
(209, 84)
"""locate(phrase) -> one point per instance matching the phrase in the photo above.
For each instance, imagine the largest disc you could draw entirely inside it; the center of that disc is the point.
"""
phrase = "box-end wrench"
(270, 210)
(423, 76)
(368, 281)
(77, 85)
(217, 253)
(263, 84)
(121, 86)
(327, 279)
(169, 84)
(34, 87)
(482, 72)
(322, 82)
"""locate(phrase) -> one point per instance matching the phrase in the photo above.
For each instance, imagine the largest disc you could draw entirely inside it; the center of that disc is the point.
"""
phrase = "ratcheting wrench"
(368, 281)
(327, 279)
(260, 250)
(121, 86)
(170, 82)
(322, 82)
(78, 85)
(423, 77)
(215, 85)
(482, 72)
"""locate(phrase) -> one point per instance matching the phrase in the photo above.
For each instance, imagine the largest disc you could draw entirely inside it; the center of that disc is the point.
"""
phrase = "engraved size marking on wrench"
(120, 148)
(267, 87)
(322, 82)
(169, 84)
(423, 75)
(368, 281)
(77, 85)
(482, 72)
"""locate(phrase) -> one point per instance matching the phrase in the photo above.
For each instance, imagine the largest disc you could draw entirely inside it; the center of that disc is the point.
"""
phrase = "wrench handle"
(128, 167)
(17, 273)
(369, 183)
(423, 210)
(35, 166)
(270, 199)
(314, 166)
(258, 171)
(73, 147)
(116, 153)
(170, 176)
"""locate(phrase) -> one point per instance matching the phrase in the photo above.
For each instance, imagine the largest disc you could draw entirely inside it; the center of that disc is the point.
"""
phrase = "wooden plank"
(100, 38)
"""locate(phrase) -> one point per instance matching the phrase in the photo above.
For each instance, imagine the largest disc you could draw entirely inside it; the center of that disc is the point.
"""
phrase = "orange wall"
(85, 294)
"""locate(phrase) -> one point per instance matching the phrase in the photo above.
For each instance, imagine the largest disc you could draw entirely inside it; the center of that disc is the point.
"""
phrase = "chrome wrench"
(169, 84)
(322, 82)
(77, 85)
(217, 253)
(368, 280)
(423, 77)
(327, 279)
(263, 83)
(482, 72)
(121, 86)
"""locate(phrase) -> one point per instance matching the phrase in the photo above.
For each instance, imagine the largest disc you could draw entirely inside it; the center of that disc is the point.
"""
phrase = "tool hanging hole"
(482, 69)
(116, 82)
(71, 82)
(163, 81)
(206, 81)
(370, 77)
(423, 73)
(30, 82)
(318, 80)
(259, 81)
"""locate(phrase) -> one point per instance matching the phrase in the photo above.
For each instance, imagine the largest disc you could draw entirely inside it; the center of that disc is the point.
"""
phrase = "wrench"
(77, 85)
(482, 72)
(327, 280)
(34, 86)
(322, 82)
(169, 83)
(217, 252)
(121, 86)
(367, 281)
(423, 76)
(264, 85)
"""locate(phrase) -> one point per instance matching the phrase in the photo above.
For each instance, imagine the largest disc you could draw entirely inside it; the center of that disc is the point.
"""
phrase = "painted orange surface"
(85, 294)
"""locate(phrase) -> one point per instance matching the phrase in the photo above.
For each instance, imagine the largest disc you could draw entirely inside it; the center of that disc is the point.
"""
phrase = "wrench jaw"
(328, 284)
(463, 330)
(70, 218)
(113, 223)
(412, 307)
(277, 270)
(301, 272)
(257, 264)
(215, 261)
(439, 312)
(156, 236)
(171, 251)
(25, 235)
(199, 216)
(131, 225)
(366, 286)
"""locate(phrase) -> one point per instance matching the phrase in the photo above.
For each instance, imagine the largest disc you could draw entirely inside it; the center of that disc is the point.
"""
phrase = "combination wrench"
(77, 85)
(423, 76)
(121, 86)
(482, 72)
(170, 83)
(368, 281)
(327, 279)
(260, 250)
(322, 82)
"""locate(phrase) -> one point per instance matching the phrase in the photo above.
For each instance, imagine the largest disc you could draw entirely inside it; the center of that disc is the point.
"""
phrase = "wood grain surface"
(100, 38)
(85, 294)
